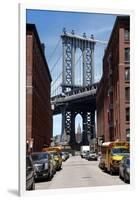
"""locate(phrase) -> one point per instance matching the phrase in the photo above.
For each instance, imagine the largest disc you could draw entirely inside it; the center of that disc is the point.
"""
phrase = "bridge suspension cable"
(80, 71)
(56, 84)
(55, 91)
(78, 59)
(50, 57)
(56, 79)
(56, 63)
(56, 68)
(56, 88)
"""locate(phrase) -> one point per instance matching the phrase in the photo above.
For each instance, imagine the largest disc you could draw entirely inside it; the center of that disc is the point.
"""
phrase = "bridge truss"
(77, 99)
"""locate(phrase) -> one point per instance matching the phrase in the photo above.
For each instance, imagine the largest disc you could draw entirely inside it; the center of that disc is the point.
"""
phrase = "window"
(127, 114)
(127, 74)
(111, 98)
(127, 35)
(127, 93)
(119, 151)
(111, 115)
(127, 54)
(110, 81)
(128, 134)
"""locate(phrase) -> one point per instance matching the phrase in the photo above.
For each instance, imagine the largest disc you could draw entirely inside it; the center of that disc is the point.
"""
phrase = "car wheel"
(111, 170)
(125, 179)
(120, 175)
(49, 176)
(105, 169)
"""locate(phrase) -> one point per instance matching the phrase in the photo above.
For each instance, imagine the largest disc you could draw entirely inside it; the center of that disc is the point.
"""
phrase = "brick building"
(113, 94)
(38, 113)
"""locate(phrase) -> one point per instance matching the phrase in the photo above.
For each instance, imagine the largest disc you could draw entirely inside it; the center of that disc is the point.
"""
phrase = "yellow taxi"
(112, 154)
(56, 156)
(58, 159)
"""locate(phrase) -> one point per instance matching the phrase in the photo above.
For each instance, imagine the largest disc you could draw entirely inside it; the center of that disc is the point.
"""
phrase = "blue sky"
(50, 24)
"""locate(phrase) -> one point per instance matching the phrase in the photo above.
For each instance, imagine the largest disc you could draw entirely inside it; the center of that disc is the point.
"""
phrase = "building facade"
(38, 80)
(113, 94)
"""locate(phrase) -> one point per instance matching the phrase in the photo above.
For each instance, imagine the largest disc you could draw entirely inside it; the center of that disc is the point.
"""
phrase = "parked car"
(43, 165)
(83, 150)
(124, 169)
(30, 174)
(91, 156)
(53, 162)
(67, 155)
(64, 155)
(84, 154)
(57, 158)
(112, 153)
(102, 162)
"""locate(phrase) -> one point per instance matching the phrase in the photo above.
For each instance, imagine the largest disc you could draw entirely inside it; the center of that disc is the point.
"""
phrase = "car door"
(121, 168)
(51, 165)
(29, 172)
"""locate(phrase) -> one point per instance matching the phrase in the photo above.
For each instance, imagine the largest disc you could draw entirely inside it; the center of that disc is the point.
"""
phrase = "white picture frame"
(22, 98)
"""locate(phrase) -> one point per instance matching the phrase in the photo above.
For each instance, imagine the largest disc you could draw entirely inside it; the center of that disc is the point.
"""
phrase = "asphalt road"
(78, 172)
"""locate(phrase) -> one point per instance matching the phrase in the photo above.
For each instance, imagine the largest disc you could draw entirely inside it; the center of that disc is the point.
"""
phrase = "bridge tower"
(70, 42)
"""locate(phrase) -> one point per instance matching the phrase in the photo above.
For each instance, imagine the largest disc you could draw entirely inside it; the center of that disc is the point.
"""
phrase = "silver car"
(124, 169)
(64, 155)
(30, 174)
(92, 156)
(43, 165)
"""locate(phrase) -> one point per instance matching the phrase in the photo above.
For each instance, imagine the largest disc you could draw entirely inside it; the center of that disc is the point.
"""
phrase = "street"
(78, 172)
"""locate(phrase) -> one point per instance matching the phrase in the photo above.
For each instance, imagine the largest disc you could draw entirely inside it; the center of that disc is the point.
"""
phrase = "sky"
(50, 24)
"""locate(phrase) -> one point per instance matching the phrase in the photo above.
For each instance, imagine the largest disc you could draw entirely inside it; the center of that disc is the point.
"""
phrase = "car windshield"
(119, 151)
(128, 161)
(39, 156)
(92, 152)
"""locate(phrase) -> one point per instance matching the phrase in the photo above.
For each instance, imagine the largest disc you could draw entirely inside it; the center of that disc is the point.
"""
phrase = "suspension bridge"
(71, 94)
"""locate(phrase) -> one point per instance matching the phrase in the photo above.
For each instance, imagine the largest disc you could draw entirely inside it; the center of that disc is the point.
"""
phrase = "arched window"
(78, 128)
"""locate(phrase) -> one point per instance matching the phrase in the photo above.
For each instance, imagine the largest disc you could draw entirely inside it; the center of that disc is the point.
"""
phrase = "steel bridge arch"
(70, 42)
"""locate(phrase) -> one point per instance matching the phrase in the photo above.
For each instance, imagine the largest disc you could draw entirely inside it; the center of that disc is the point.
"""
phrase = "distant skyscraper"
(78, 134)
(79, 128)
